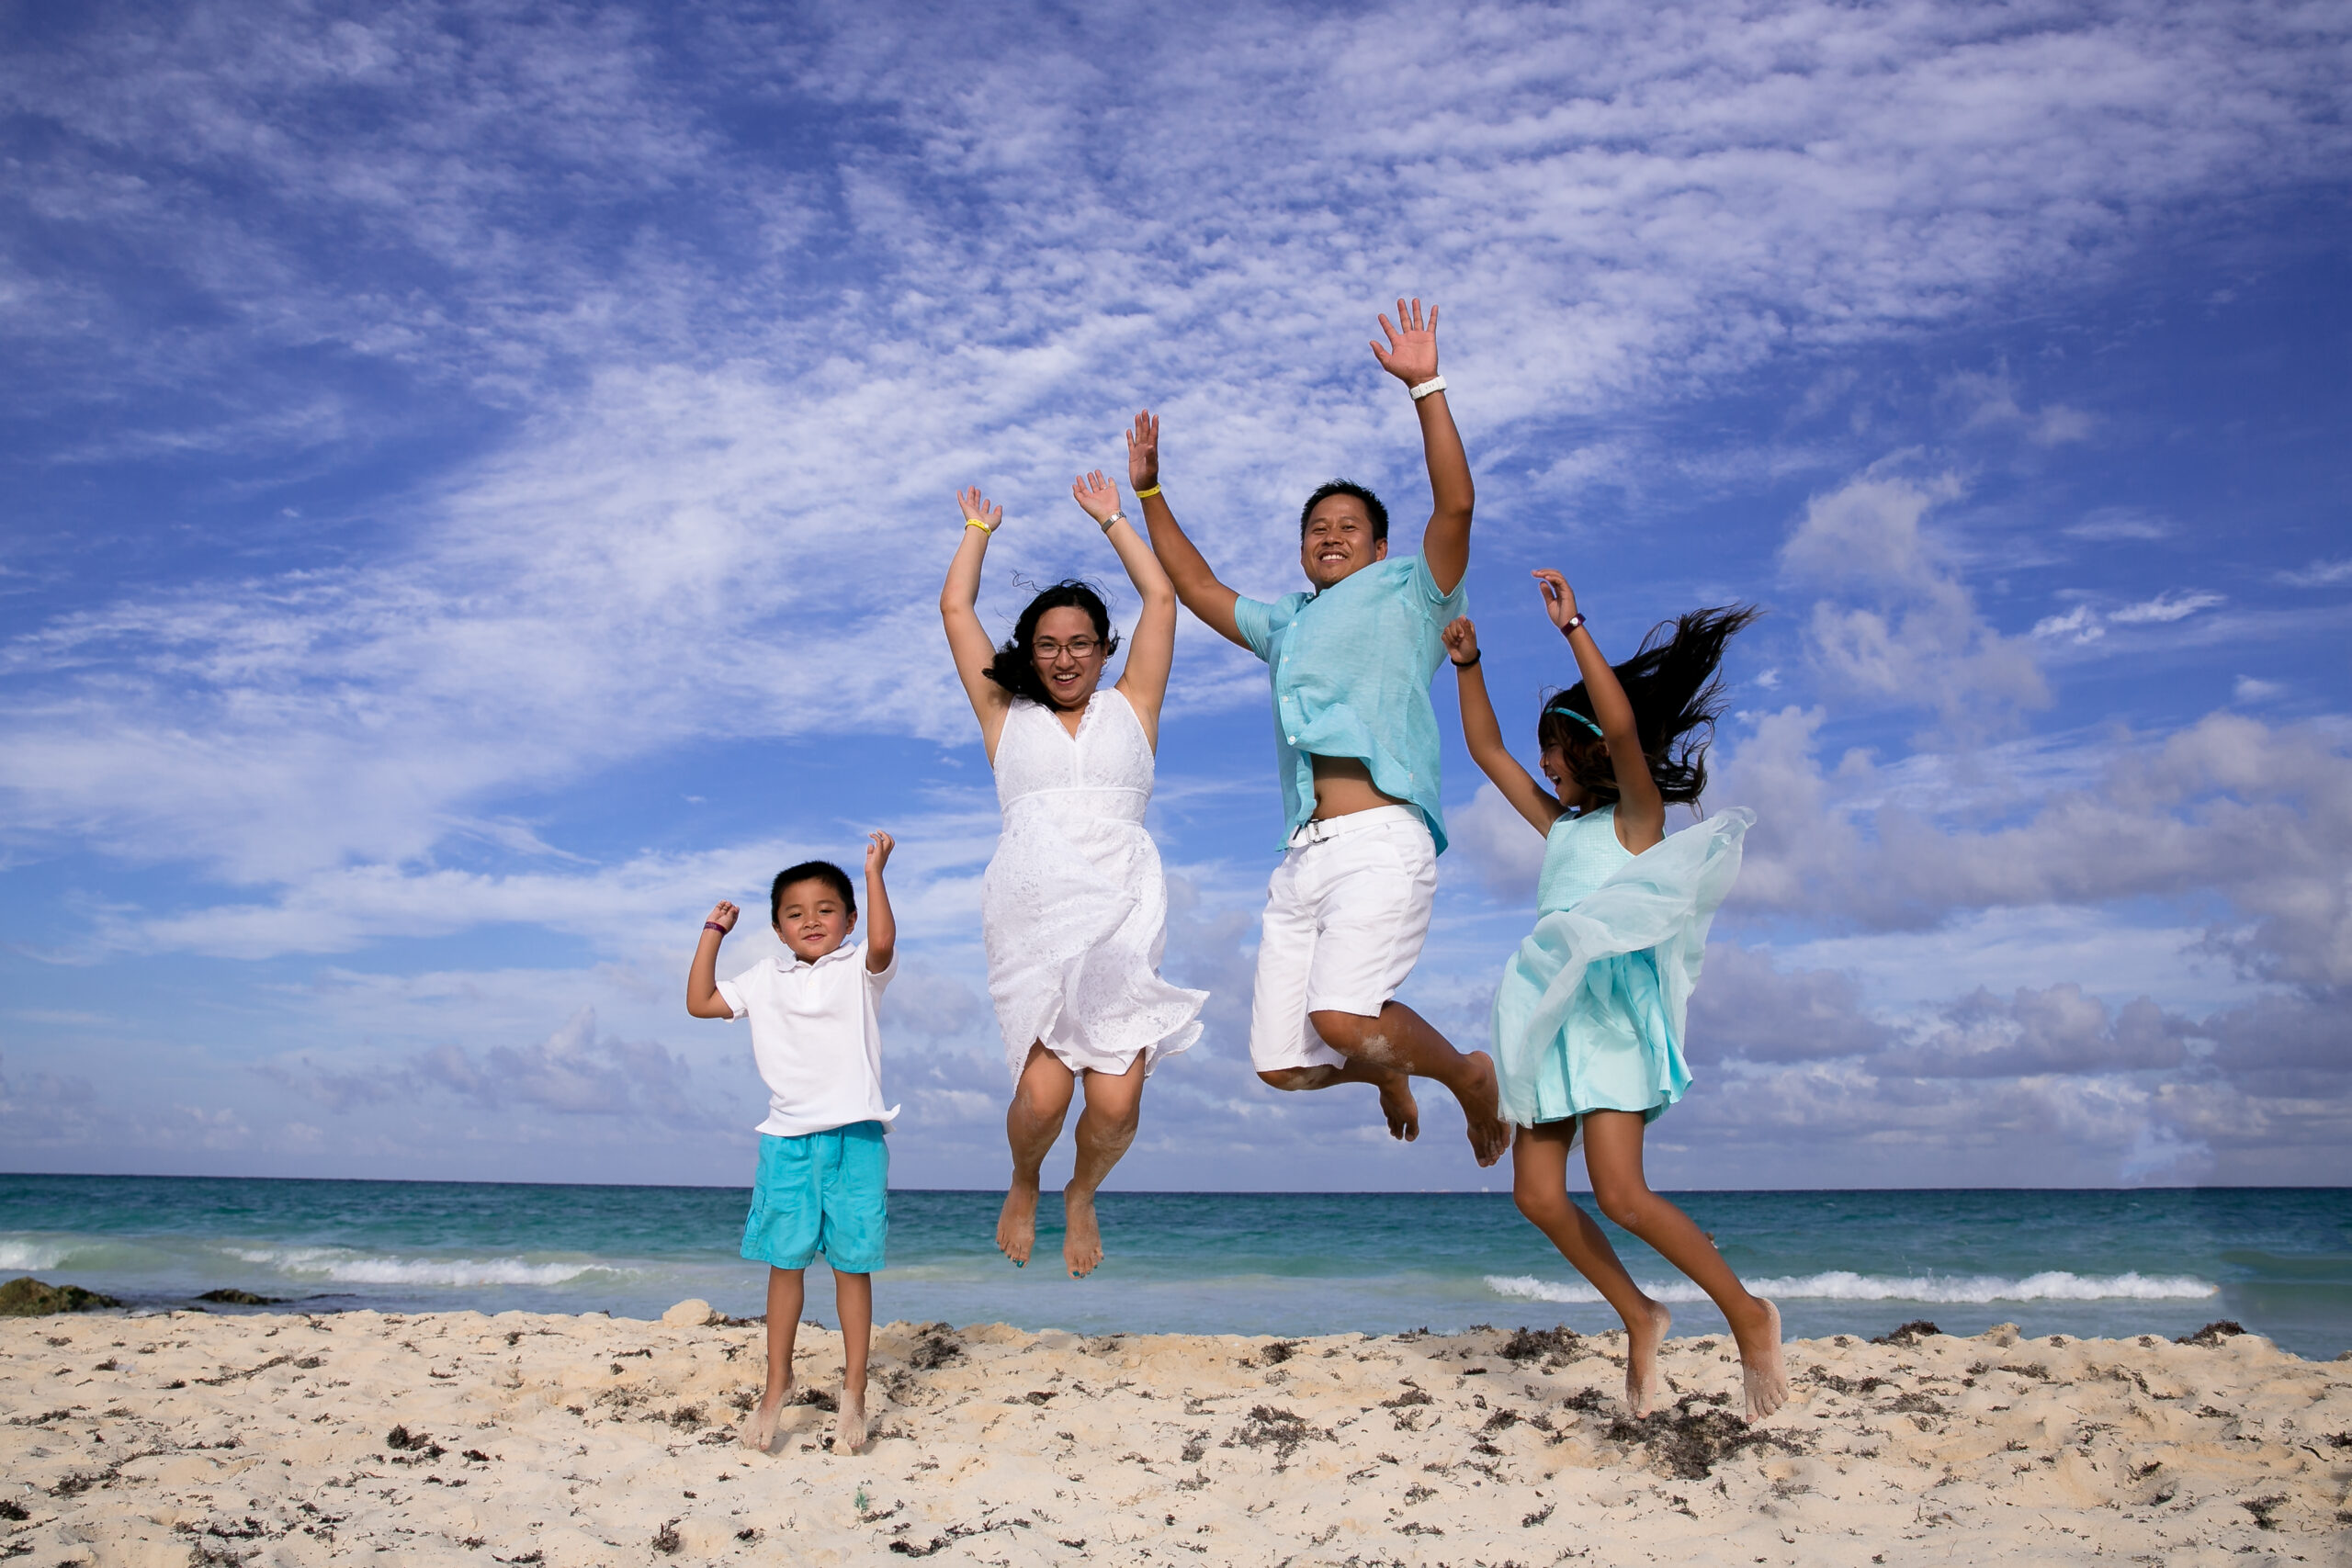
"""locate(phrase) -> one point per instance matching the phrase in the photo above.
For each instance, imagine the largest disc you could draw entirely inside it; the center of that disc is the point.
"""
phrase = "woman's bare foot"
(1016, 1226)
(1404, 1112)
(849, 1423)
(759, 1427)
(1762, 1375)
(1481, 1107)
(1644, 1385)
(1081, 1236)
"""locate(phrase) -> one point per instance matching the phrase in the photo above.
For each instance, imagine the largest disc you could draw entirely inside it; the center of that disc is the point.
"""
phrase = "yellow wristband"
(1141, 494)
(975, 522)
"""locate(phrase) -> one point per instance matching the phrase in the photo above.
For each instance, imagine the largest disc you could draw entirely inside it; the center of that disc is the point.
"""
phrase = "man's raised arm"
(1196, 585)
(1411, 357)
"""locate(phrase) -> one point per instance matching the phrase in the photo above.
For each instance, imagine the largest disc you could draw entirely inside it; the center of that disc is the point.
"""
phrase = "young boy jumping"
(824, 1172)
(1356, 741)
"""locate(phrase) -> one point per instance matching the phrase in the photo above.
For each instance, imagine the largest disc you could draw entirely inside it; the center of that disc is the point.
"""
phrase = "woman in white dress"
(1074, 908)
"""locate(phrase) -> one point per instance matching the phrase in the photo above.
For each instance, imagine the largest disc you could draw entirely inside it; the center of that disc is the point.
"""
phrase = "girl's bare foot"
(849, 1423)
(1644, 1385)
(1481, 1107)
(1762, 1375)
(759, 1428)
(1081, 1236)
(1404, 1112)
(1016, 1226)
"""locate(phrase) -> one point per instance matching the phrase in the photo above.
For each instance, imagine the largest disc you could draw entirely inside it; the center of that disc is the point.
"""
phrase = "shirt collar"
(793, 963)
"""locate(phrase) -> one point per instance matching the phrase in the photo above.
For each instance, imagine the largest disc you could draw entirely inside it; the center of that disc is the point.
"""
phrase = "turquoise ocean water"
(2160, 1261)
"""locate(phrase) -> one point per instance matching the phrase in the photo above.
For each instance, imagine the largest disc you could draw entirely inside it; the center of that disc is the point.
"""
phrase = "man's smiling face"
(1337, 541)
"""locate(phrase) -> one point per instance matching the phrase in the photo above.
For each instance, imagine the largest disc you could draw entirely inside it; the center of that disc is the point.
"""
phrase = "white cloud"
(2319, 574)
(2164, 608)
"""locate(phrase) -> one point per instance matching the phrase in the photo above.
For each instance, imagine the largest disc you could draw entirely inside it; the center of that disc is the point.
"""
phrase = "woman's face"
(1565, 788)
(1068, 655)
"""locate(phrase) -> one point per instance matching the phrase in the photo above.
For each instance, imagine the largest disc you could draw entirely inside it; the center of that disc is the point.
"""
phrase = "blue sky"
(478, 478)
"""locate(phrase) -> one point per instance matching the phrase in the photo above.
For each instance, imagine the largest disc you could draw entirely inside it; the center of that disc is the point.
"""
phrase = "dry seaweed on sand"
(1282, 1430)
(934, 1348)
(1906, 1334)
(2214, 1333)
(1557, 1344)
(1690, 1442)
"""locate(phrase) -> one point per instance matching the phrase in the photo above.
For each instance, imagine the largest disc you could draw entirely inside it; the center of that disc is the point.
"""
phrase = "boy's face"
(811, 919)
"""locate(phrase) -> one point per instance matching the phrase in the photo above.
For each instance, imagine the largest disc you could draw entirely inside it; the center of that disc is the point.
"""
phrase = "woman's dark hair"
(822, 871)
(1015, 665)
(1331, 488)
(1676, 696)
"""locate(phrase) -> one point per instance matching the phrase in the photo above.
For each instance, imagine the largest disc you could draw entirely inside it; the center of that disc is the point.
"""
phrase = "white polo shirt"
(814, 1036)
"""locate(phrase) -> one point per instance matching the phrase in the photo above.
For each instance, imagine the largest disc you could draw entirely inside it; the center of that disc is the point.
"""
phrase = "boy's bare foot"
(759, 1428)
(1762, 1375)
(849, 1423)
(1081, 1236)
(1644, 1385)
(1482, 1108)
(1404, 1112)
(1016, 1226)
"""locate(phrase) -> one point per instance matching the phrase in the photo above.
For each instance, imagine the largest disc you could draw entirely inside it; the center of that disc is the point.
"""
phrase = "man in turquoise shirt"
(1357, 743)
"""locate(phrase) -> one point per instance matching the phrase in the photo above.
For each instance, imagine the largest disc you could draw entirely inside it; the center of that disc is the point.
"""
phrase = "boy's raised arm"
(1196, 586)
(1411, 357)
(881, 927)
(703, 999)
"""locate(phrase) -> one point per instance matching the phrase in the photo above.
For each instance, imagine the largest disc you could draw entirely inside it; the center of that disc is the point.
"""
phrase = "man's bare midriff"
(1343, 787)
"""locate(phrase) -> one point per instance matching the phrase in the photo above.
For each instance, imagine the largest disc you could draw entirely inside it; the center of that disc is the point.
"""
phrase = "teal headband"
(1567, 712)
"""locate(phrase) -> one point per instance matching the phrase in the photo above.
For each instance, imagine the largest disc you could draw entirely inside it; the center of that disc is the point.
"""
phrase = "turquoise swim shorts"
(824, 1192)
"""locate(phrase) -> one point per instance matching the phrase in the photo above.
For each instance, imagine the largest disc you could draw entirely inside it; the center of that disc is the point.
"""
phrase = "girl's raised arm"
(1485, 736)
(1641, 810)
(968, 640)
(1153, 650)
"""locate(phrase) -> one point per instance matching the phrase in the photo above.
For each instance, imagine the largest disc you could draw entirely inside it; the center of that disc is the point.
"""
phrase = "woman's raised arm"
(1151, 653)
(968, 640)
(1641, 810)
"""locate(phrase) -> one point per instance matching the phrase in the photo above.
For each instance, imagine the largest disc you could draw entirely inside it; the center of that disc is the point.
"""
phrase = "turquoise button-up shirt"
(1352, 668)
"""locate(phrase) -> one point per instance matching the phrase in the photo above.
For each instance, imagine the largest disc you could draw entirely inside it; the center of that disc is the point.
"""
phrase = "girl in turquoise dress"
(1588, 1021)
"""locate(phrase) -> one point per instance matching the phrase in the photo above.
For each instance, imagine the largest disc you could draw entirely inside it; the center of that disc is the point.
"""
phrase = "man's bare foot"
(759, 1427)
(1081, 1236)
(849, 1423)
(1481, 1107)
(1644, 1385)
(1404, 1112)
(1016, 1226)
(1762, 1375)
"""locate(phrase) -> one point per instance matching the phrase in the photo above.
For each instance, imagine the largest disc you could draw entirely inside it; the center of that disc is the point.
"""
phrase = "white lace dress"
(1074, 907)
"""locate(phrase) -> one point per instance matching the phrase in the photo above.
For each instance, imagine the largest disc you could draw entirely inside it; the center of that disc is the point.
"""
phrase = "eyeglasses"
(1077, 647)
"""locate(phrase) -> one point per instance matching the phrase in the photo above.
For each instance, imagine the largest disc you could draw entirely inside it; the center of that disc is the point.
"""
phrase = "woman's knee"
(1543, 1207)
(1287, 1077)
(1627, 1203)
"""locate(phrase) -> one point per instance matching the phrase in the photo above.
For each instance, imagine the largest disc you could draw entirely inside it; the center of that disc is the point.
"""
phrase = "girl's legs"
(783, 1326)
(1039, 1102)
(1539, 1184)
(1105, 1128)
(1612, 1157)
(853, 1298)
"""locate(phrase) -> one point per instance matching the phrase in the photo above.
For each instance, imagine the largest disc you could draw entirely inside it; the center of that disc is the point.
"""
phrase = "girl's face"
(1556, 768)
(1068, 655)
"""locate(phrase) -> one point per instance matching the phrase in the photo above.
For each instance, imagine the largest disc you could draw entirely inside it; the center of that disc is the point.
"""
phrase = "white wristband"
(1434, 384)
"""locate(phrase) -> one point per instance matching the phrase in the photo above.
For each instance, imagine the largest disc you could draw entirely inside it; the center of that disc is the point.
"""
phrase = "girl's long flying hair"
(1675, 696)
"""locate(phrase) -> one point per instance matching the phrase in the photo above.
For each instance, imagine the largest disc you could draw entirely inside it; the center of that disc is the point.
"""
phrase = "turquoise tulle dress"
(1590, 1011)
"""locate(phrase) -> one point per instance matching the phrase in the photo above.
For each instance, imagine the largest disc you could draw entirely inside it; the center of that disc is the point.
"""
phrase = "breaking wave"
(341, 1267)
(1840, 1285)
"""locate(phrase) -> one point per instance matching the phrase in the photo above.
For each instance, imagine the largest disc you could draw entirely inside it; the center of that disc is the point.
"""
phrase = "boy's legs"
(1032, 1122)
(1105, 1129)
(785, 1296)
(1539, 1184)
(1612, 1157)
(853, 1297)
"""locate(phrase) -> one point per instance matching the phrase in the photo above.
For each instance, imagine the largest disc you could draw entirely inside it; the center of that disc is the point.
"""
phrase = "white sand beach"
(458, 1439)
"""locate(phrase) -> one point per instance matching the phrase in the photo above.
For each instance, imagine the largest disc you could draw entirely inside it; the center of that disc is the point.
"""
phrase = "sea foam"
(344, 1268)
(1842, 1285)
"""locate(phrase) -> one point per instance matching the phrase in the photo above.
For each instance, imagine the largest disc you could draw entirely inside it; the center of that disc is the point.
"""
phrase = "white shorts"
(1347, 911)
